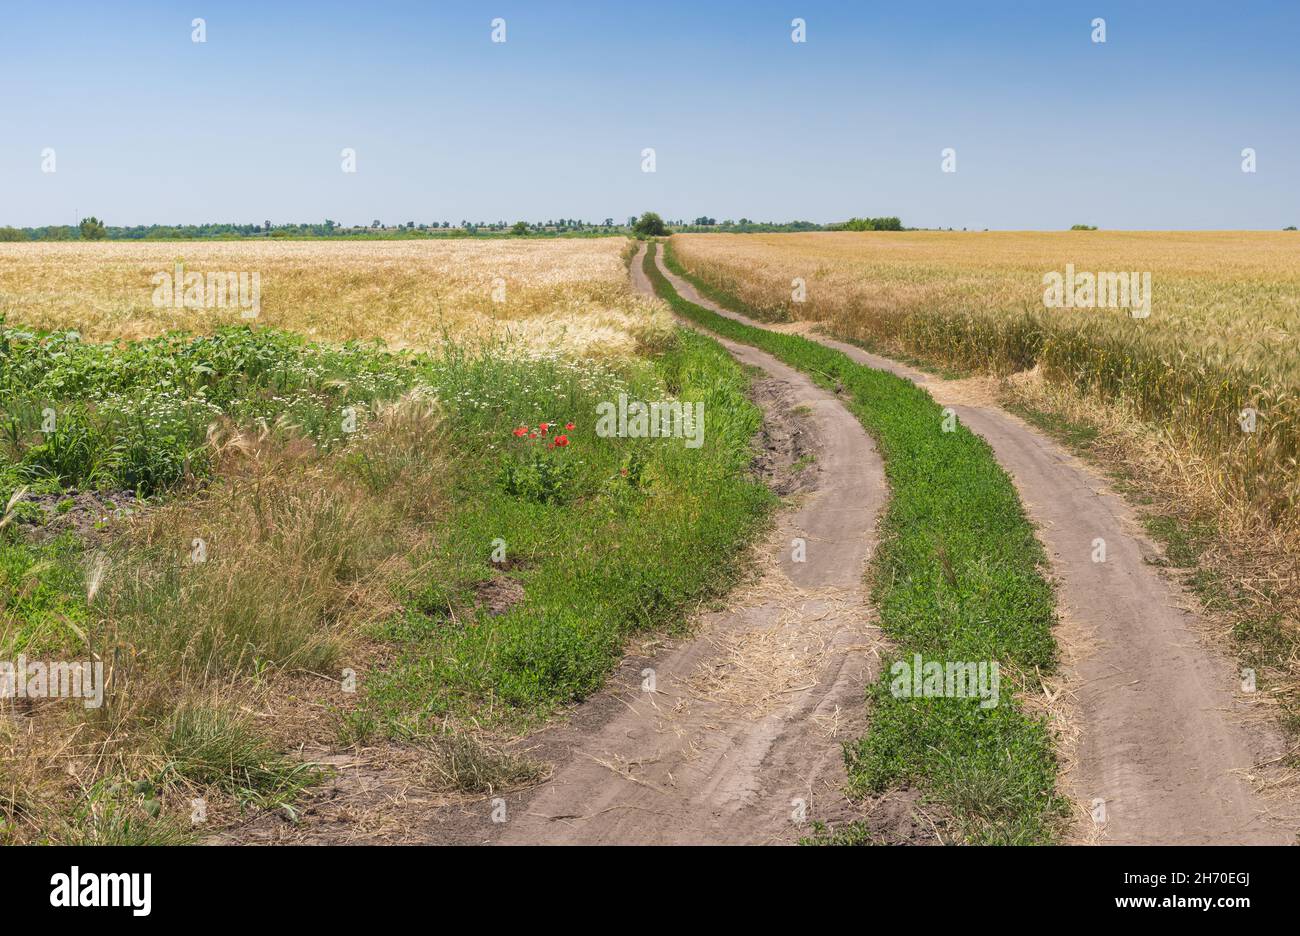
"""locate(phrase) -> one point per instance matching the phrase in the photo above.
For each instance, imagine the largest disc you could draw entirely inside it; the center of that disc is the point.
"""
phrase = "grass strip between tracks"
(958, 578)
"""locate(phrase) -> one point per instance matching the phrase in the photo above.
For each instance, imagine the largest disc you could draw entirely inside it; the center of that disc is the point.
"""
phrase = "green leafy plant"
(544, 472)
(650, 225)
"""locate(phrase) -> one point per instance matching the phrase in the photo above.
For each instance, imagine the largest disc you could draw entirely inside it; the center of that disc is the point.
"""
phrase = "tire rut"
(1167, 748)
(735, 735)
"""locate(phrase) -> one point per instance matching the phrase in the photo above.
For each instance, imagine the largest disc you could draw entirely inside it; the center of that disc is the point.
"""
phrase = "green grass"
(1078, 437)
(42, 594)
(1184, 540)
(607, 537)
(135, 415)
(113, 812)
(618, 535)
(645, 531)
(210, 745)
(852, 833)
(958, 577)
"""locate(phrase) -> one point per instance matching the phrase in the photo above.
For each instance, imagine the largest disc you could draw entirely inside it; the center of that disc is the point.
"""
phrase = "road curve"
(1166, 752)
(738, 737)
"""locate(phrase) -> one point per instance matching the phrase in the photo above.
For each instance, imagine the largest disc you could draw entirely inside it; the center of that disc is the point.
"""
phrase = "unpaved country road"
(1165, 742)
(741, 737)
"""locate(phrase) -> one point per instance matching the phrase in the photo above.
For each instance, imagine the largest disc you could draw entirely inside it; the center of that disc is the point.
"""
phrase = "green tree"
(650, 225)
(93, 229)
(869, 224)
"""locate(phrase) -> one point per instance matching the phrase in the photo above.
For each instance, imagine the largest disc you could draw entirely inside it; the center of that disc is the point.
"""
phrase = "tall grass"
(301, 551)
(138, 415)
(266, 568)
(647, 530)
(545, 293)
(1219, 338)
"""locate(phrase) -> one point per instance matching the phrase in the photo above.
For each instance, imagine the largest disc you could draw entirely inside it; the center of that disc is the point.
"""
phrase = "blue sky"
(1144, 131)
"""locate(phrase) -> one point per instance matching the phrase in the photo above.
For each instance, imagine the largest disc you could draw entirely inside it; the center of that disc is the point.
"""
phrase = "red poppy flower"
(561, 440)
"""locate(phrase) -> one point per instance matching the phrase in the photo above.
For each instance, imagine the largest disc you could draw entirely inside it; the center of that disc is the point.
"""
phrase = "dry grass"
(569, 295)
(303, 550)
(1220, 337)
(1236, 293)
(1159, 395)
(300, 550)
(1246, 572)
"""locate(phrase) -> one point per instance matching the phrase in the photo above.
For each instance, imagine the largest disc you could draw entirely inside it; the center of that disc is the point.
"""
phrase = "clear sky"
(1050, 128)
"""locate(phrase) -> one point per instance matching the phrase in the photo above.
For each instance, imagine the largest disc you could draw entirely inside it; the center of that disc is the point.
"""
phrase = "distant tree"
(93, 229)
(869, 224)
(650, 225)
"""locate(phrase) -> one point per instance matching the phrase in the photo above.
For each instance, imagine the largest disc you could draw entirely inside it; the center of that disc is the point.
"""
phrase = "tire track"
(1167, 751)
(738, 739)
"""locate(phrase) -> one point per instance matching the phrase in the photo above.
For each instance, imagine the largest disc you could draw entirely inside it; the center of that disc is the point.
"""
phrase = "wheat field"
(567, 297)
(1220, 337)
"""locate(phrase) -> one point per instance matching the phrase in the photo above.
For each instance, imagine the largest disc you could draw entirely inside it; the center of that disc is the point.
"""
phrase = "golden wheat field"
(1233, 293)
(1220, 337)
(566, 296)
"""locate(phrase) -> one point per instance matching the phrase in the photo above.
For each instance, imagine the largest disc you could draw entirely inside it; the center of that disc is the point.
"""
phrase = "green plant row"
(958, 577)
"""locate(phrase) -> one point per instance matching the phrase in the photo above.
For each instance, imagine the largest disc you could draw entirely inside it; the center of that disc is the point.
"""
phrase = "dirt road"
(735, 735)
(1165, 750)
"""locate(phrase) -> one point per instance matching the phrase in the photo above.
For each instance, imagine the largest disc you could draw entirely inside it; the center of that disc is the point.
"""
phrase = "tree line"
(93, 228)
